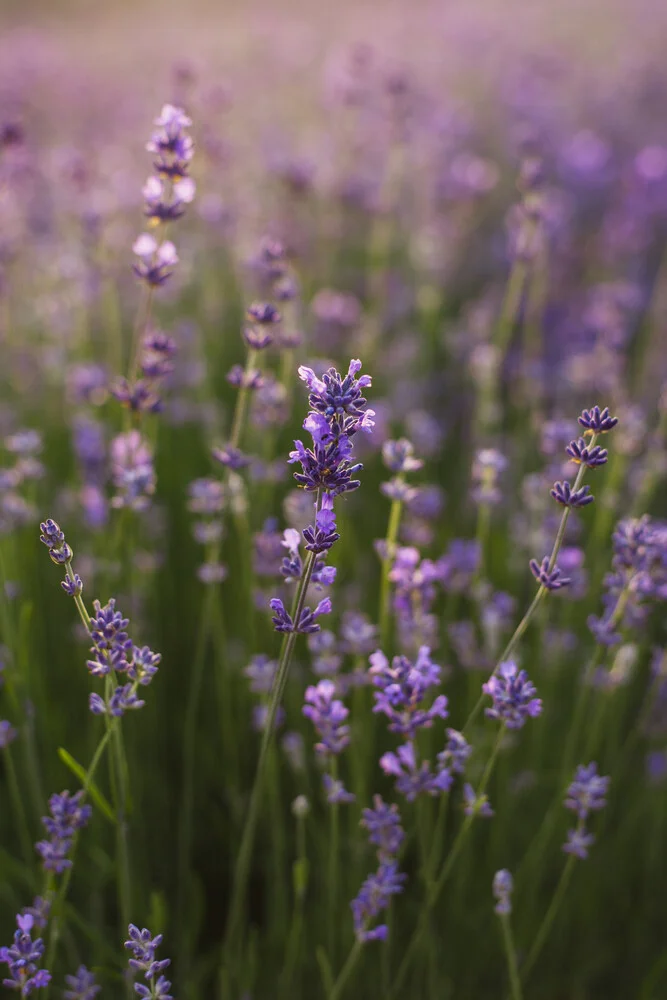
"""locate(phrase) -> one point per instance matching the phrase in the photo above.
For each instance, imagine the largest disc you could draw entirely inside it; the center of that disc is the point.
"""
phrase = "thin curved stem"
(248, 837)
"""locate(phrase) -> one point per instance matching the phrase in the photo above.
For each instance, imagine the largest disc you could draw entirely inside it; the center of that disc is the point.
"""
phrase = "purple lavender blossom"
(476, 805)
(374, 897)
(582, 454)
(123, 699)
(567, 497)
(503, 884)
(399, 458)
(155, 261)
(578, 842)
(402, 686)
(456, 753)
(328, 715)
(551, 579)
(383, 823)
(7, 734)
(598, 421)
(512, 693)
(68, 815)
(143, 947)
(22, 957)
(282, 620)
(412, 777)
(132, 471)
(336, 792)
(54, 538)
(587, 791)
(81, 986)
(322, 535)
(73, 586)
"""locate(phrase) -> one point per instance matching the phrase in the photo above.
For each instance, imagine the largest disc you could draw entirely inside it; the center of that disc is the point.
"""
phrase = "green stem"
(510, 953)
(241, 407)
(539, 596)
(385, 586)
(436, 887)
(346, 971)
(54, 932)
(19, 809)
(550, 916)
(248, 837)
(189, 742)
(333, 871)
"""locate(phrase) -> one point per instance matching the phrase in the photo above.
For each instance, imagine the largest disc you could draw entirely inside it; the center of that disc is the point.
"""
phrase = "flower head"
(503, 884)
(567, 497)
(598, 421)
(512, 694)
(328, 715)
(551, 579)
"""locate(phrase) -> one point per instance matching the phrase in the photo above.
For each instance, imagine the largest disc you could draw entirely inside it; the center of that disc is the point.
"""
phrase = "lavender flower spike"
(512, 693)
(567, 497)
(550, 579)
(597, 421)
(328, 715)
(503, 884)
(22, 957)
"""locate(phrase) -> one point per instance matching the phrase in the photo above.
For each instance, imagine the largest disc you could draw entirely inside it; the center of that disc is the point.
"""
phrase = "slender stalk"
(19, 808)
(385, 586)
(242, 401)
(539, 596)
(511, 305)
(437, 886)
(189, 742)
(54, 931)
(550, 916)
(248, 837)
(300, 884)
(510, 953)
(333, 872)
(346, 971)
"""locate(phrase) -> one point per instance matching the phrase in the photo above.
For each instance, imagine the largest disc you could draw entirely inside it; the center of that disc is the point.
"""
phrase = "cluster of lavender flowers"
(383, 823)
(638, 578)
(338, 412)
(166, 193)
(113, 653)
(586, 794)
(143, 946)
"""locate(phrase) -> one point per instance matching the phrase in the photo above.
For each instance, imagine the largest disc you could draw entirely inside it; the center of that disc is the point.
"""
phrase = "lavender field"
(333, 500)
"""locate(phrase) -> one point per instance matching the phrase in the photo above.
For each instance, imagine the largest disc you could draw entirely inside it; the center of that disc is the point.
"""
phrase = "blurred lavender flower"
(81, 986)
(328, 715)
(374, 897)
(383, 823)
(335, 791)
(512, 694)
(412, 777)
(68, 814)
(132, 471)
(476, 805)
(584, 795)
(402, 687)
(7, 734)
(551, 579)
(503, 885)
(22, 958)
(155, 261)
